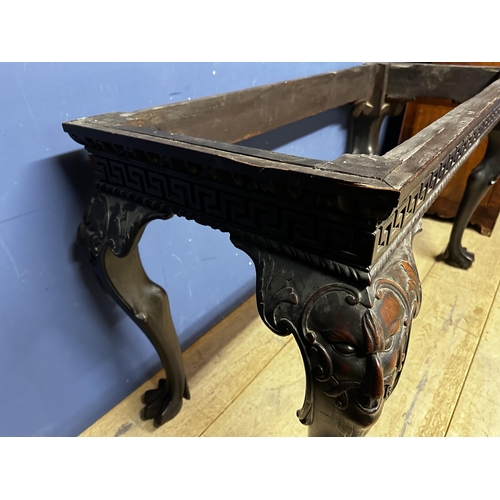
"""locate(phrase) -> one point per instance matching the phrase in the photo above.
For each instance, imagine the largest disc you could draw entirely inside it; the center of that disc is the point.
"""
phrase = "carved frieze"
(423, 195)
(305, 232)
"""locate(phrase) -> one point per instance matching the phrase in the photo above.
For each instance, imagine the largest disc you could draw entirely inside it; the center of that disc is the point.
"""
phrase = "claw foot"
(460, 257)
(158, 404)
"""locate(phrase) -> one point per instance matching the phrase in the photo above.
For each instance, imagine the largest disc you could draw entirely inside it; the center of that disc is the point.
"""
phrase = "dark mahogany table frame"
(331, 240)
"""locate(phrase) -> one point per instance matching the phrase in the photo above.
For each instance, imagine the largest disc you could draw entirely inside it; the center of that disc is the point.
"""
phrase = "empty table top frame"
(331, 240)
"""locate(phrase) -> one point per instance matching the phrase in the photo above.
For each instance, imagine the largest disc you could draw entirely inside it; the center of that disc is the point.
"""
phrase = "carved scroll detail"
(114, 222)
(111, 230)
(353, 339)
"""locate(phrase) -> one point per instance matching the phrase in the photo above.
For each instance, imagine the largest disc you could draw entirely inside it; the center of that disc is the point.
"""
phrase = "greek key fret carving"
(233, 210)
(424, 194)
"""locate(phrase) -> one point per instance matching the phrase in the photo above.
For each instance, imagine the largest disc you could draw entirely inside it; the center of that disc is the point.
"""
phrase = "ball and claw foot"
(458, 257)
(157, 404)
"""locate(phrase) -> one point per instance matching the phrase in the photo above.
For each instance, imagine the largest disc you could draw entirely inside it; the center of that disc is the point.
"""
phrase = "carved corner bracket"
(113, 222)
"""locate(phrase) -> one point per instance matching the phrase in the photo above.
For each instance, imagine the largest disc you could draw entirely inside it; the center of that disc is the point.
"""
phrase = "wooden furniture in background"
(424, 111)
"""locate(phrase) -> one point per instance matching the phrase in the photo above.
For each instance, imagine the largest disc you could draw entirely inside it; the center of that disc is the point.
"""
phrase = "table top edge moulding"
(331, 240)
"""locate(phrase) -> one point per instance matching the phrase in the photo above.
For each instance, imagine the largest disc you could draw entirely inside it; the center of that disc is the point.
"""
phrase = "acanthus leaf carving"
(353, 337)
(114, 222)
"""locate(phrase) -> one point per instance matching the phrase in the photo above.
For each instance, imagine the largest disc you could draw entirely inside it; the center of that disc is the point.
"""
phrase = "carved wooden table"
(331, 240)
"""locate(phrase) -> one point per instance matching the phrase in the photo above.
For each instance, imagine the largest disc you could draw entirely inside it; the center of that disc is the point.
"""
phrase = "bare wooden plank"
(478, 410)
(407, 81)
(239, 115)
(429, 243)
(218, 367)
(268, 405)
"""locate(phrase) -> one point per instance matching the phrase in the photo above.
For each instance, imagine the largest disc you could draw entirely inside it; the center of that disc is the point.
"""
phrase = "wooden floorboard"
(219, 366)
(267, 407)
(245, 381)
(478, 409)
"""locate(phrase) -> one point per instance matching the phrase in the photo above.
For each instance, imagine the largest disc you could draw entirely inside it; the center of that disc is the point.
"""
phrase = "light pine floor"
(245, 381)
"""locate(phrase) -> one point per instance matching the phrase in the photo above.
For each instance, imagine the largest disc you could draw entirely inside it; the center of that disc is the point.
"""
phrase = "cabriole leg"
(478, 183)
(353, 335)
(365, 125)
(112, 229)
(364, 134)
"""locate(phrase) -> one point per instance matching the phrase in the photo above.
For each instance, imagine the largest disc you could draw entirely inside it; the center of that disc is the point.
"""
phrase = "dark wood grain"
(421, 112)
(331, 241)
(422, 152)
(376, 199)
(239, 115)
(323, 177)
(459, 83)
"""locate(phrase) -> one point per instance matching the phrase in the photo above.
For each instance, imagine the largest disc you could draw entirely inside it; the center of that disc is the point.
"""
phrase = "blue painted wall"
(68, 354)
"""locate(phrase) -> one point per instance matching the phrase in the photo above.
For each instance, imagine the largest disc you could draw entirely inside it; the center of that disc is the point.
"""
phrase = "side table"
(331, 240)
